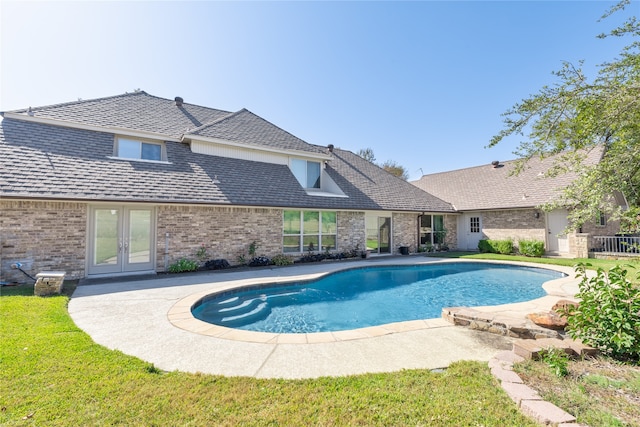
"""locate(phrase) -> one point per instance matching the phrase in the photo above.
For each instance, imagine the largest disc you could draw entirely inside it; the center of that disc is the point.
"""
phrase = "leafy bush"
(608, 316)
(504, 247)
(183, 265)
(281, 259)
(557, 359)
(534, 248)
(259, 261)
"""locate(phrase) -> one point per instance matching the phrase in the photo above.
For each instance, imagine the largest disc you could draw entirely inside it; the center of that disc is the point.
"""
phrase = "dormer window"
(306, 172)
(139, 150)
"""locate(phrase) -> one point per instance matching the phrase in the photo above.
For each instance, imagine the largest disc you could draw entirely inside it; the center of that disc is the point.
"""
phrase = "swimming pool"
(370, 296)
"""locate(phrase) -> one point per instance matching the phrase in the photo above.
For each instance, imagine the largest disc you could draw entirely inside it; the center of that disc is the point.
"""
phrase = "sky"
(421, 83)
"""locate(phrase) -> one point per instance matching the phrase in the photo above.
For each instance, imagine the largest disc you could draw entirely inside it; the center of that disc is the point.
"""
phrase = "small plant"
(557, 359)
(282, 259)
(608, 314)
(183, 265)
(253, 247)
(532, 248)
(202, 253)
(152, 369)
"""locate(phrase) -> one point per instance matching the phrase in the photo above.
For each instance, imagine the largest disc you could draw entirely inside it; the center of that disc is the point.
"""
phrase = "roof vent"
(330, 147)
(30, 112)
(179, 101)
(495, 163)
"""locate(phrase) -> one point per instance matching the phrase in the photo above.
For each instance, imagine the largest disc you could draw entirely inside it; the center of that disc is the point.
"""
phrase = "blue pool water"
(370, 296)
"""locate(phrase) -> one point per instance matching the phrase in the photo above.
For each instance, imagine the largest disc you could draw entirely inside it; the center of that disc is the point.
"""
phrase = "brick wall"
(351, 230)
(517, 224)
(226, 232)
(42, 236)
(405, 231)
(451, 226)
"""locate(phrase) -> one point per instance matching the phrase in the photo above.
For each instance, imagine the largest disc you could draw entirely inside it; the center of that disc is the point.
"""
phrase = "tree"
(395, 169)
(367, 154)
(390, 166)
(575, 115)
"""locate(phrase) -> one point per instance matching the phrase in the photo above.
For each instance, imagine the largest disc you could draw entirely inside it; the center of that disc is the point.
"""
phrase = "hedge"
(504, 247)
(533, 248)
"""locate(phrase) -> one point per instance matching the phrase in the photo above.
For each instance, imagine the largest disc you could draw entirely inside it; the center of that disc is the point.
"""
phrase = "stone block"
(520, 392)
(545, 412)
(49, 283)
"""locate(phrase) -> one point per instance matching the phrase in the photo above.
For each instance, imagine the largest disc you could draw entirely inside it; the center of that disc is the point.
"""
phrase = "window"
(309, 231)
(474, 224)
(306, 172)
(601, 220)
(432, 229)
(134, 149)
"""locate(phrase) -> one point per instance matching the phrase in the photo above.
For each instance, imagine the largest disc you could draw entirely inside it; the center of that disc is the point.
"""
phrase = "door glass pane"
(474, 224)
(384, 235)
(106, 237)
(139, 236)
(371, 226)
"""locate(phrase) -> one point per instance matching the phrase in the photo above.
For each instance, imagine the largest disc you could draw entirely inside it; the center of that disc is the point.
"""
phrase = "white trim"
(244, 145)
(105, 129)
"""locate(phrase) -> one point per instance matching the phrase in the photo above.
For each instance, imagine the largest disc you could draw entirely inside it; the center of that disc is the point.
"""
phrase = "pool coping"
(180, 315)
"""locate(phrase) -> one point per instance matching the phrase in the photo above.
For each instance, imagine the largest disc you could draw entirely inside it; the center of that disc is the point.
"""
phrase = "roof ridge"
(79, 101)
(215, 122)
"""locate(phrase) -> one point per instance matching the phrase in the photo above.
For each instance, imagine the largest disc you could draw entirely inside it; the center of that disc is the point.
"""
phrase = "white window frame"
(304, 182)
(301, 235)
(140, 142)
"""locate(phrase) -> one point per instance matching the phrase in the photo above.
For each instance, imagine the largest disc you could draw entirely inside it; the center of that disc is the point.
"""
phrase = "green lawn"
(52, 373)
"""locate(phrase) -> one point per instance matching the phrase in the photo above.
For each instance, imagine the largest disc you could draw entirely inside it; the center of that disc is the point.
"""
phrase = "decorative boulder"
(550, 320)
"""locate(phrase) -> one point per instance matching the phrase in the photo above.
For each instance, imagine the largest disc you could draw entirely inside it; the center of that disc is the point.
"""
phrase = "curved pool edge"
(180, 315)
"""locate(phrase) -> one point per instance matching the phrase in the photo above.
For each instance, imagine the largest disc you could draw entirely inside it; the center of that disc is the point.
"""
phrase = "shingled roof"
(43, 161)
(136, 111)
(489, 187)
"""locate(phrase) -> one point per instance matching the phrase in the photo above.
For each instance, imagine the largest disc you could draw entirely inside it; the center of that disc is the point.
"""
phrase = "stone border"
(527, 399)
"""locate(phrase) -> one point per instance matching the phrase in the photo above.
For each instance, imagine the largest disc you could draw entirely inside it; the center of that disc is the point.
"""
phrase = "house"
(496, 204)
(132, 183)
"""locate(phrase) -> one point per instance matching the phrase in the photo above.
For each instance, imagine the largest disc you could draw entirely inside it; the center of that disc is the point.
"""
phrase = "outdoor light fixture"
(536, 214)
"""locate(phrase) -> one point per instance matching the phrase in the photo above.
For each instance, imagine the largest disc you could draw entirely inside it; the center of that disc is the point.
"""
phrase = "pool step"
(236, 311)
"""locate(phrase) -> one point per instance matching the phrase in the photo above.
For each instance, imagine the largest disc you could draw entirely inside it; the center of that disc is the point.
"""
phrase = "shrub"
(259, 261)
(533, 248)
(183, 265)
(608, 314)
(281, 259)
(484, 246)
(557, 359)
(504, 247)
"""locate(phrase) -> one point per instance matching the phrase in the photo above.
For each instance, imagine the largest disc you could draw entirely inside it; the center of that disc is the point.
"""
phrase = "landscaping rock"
(551, 320)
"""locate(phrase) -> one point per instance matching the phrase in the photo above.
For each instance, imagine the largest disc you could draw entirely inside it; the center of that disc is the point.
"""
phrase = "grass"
(598, 392)
(52, 373)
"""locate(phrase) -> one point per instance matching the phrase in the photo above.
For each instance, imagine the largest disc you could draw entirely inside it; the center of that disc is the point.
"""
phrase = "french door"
(378, 232)
(121, 239)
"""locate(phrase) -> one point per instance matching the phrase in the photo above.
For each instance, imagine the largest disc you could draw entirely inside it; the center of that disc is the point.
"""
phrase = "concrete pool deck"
(151, 319)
